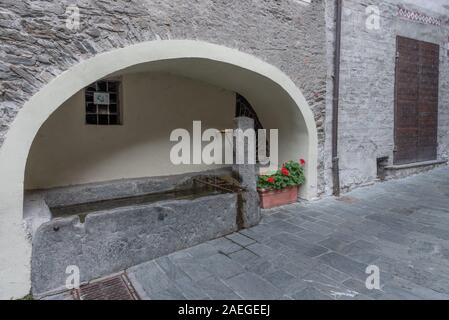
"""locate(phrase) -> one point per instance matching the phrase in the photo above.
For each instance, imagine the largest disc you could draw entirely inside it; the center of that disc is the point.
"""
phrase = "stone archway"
(273, 94)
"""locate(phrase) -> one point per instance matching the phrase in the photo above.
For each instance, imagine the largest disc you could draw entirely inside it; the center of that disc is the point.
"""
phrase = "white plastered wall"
(66, 151)
(273, 94)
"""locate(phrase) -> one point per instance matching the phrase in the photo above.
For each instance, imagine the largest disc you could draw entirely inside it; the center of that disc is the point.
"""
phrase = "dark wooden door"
(416, 101)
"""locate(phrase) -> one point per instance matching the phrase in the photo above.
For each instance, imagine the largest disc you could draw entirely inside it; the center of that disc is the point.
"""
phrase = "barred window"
(244, 109)
(103, 103)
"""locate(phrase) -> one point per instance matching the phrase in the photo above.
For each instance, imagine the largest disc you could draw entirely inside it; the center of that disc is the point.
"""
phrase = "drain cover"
(113, 288)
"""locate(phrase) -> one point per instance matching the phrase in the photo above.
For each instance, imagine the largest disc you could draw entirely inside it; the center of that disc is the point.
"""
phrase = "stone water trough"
(107, 227)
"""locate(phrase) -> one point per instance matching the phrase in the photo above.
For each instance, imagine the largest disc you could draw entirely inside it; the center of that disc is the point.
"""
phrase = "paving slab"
(225, 246)
(345, 265)
(279, 278)
(241, 239)
(216, 289)
(253, 287)
(190, 290)
(150, 276)
(221, 266)
(244, 257)
(298, 245)
(311, 293)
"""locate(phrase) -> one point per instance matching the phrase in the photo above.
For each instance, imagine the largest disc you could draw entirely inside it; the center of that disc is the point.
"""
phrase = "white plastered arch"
(15, 249)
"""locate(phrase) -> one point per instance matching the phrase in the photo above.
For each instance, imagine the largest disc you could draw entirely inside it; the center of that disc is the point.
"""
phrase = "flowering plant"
(291, 174)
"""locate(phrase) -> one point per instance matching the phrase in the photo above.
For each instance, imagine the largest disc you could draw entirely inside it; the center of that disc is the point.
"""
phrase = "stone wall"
(36, 46)
(366, 125)
(330, 50)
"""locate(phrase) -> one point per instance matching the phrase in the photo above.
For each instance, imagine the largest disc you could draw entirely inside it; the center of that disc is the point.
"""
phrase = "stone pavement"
(320, 250)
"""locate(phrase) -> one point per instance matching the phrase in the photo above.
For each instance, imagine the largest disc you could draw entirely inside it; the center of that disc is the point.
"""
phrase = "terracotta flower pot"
(275, 198)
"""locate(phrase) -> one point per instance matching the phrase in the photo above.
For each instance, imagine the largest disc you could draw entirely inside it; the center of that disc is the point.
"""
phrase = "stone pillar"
(246, 173)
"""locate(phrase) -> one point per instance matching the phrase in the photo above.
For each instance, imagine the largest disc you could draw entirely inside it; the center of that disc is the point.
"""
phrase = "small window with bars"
(103, 103)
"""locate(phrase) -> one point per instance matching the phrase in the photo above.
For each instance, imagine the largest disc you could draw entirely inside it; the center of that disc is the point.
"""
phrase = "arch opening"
(277, 101)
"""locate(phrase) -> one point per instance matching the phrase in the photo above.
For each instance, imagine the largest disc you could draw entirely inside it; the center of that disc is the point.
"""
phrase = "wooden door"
(416, 101)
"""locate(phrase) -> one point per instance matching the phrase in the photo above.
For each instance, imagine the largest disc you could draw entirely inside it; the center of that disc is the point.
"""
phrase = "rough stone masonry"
(35, 45)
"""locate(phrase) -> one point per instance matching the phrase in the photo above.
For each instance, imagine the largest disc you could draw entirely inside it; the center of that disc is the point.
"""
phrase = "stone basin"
(103, 234)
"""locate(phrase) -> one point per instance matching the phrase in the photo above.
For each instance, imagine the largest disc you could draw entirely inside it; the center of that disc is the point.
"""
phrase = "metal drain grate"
(113, 288)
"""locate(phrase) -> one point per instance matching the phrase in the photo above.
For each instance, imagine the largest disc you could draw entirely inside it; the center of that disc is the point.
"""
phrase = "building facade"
(376, 82)
(168, 63)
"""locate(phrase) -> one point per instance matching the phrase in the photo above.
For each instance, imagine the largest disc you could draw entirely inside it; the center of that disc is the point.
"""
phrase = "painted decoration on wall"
(418, 17)
(101, 98)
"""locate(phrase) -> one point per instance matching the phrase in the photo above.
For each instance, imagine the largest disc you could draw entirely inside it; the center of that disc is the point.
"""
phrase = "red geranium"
(290, 174)
(302, 162)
